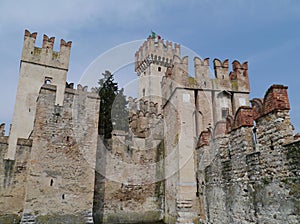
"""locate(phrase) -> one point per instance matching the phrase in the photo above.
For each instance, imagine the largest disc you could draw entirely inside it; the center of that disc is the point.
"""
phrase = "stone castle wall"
(129, 182)
(52, 177)
(254, 178)
(13, 176)
(62, 162)
(195, 150)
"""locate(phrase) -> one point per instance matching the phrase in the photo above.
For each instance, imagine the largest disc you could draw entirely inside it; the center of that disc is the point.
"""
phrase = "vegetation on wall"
(113, 114)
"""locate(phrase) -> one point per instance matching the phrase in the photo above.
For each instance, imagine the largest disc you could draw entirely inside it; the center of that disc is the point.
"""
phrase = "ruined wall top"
(242, 118)
(276, 98)
(46, 55)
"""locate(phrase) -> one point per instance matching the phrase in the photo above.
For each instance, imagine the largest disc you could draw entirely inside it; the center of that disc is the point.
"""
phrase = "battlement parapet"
(229, 123)
(202, 73)
(157, 52)
(239, 76)
(178, 73)
(144, 117)
(242, 118)
(144, 106)
(80, 90)
(257, 105)
(201, 67)
(276, 98)
(237, 80)
(221, 68)
(46, 55)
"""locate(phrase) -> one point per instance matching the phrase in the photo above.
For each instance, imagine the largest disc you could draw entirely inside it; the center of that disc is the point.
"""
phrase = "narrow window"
(159, 69)
(63, 196)
(271, 146)
(51, 182)
(254, 135)
(143, 92)
(197, 192)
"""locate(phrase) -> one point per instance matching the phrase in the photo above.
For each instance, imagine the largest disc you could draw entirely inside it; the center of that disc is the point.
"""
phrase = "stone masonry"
(198, 150)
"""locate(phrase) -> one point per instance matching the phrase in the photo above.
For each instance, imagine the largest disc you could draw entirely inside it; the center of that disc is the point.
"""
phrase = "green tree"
(120, 113)
(113, 106)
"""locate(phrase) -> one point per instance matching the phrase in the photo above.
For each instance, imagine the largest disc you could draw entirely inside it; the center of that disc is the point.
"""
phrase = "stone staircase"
(185, 216)
(88, 218)
(27, 219)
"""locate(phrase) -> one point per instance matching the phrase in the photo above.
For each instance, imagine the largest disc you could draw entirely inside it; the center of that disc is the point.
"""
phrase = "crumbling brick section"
(243, 118)
(276, 98)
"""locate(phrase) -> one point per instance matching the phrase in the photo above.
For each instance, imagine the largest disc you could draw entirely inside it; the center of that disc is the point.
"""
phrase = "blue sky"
(266, 33)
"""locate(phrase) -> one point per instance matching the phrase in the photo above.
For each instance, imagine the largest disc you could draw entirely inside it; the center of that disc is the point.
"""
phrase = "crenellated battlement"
(158, 52)
(202, 72)
(272, 125)
(45, 55)
(70, 90)
(242, 118)
(143, 105)
(221, 68)
(276, 98)
(237, 80)
(144, 116)
(239, 76)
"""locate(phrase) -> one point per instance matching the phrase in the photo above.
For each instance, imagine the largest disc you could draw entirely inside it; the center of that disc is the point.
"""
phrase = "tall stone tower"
(38, 66)
(152, 60)
(191, 105)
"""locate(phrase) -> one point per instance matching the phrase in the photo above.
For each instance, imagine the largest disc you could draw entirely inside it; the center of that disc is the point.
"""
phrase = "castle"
(198, 149)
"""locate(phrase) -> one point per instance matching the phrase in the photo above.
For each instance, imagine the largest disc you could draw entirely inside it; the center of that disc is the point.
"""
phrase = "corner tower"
(152, 60)
(37, 66)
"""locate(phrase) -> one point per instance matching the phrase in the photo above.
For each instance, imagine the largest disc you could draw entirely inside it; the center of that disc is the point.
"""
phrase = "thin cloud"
(72, 14)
